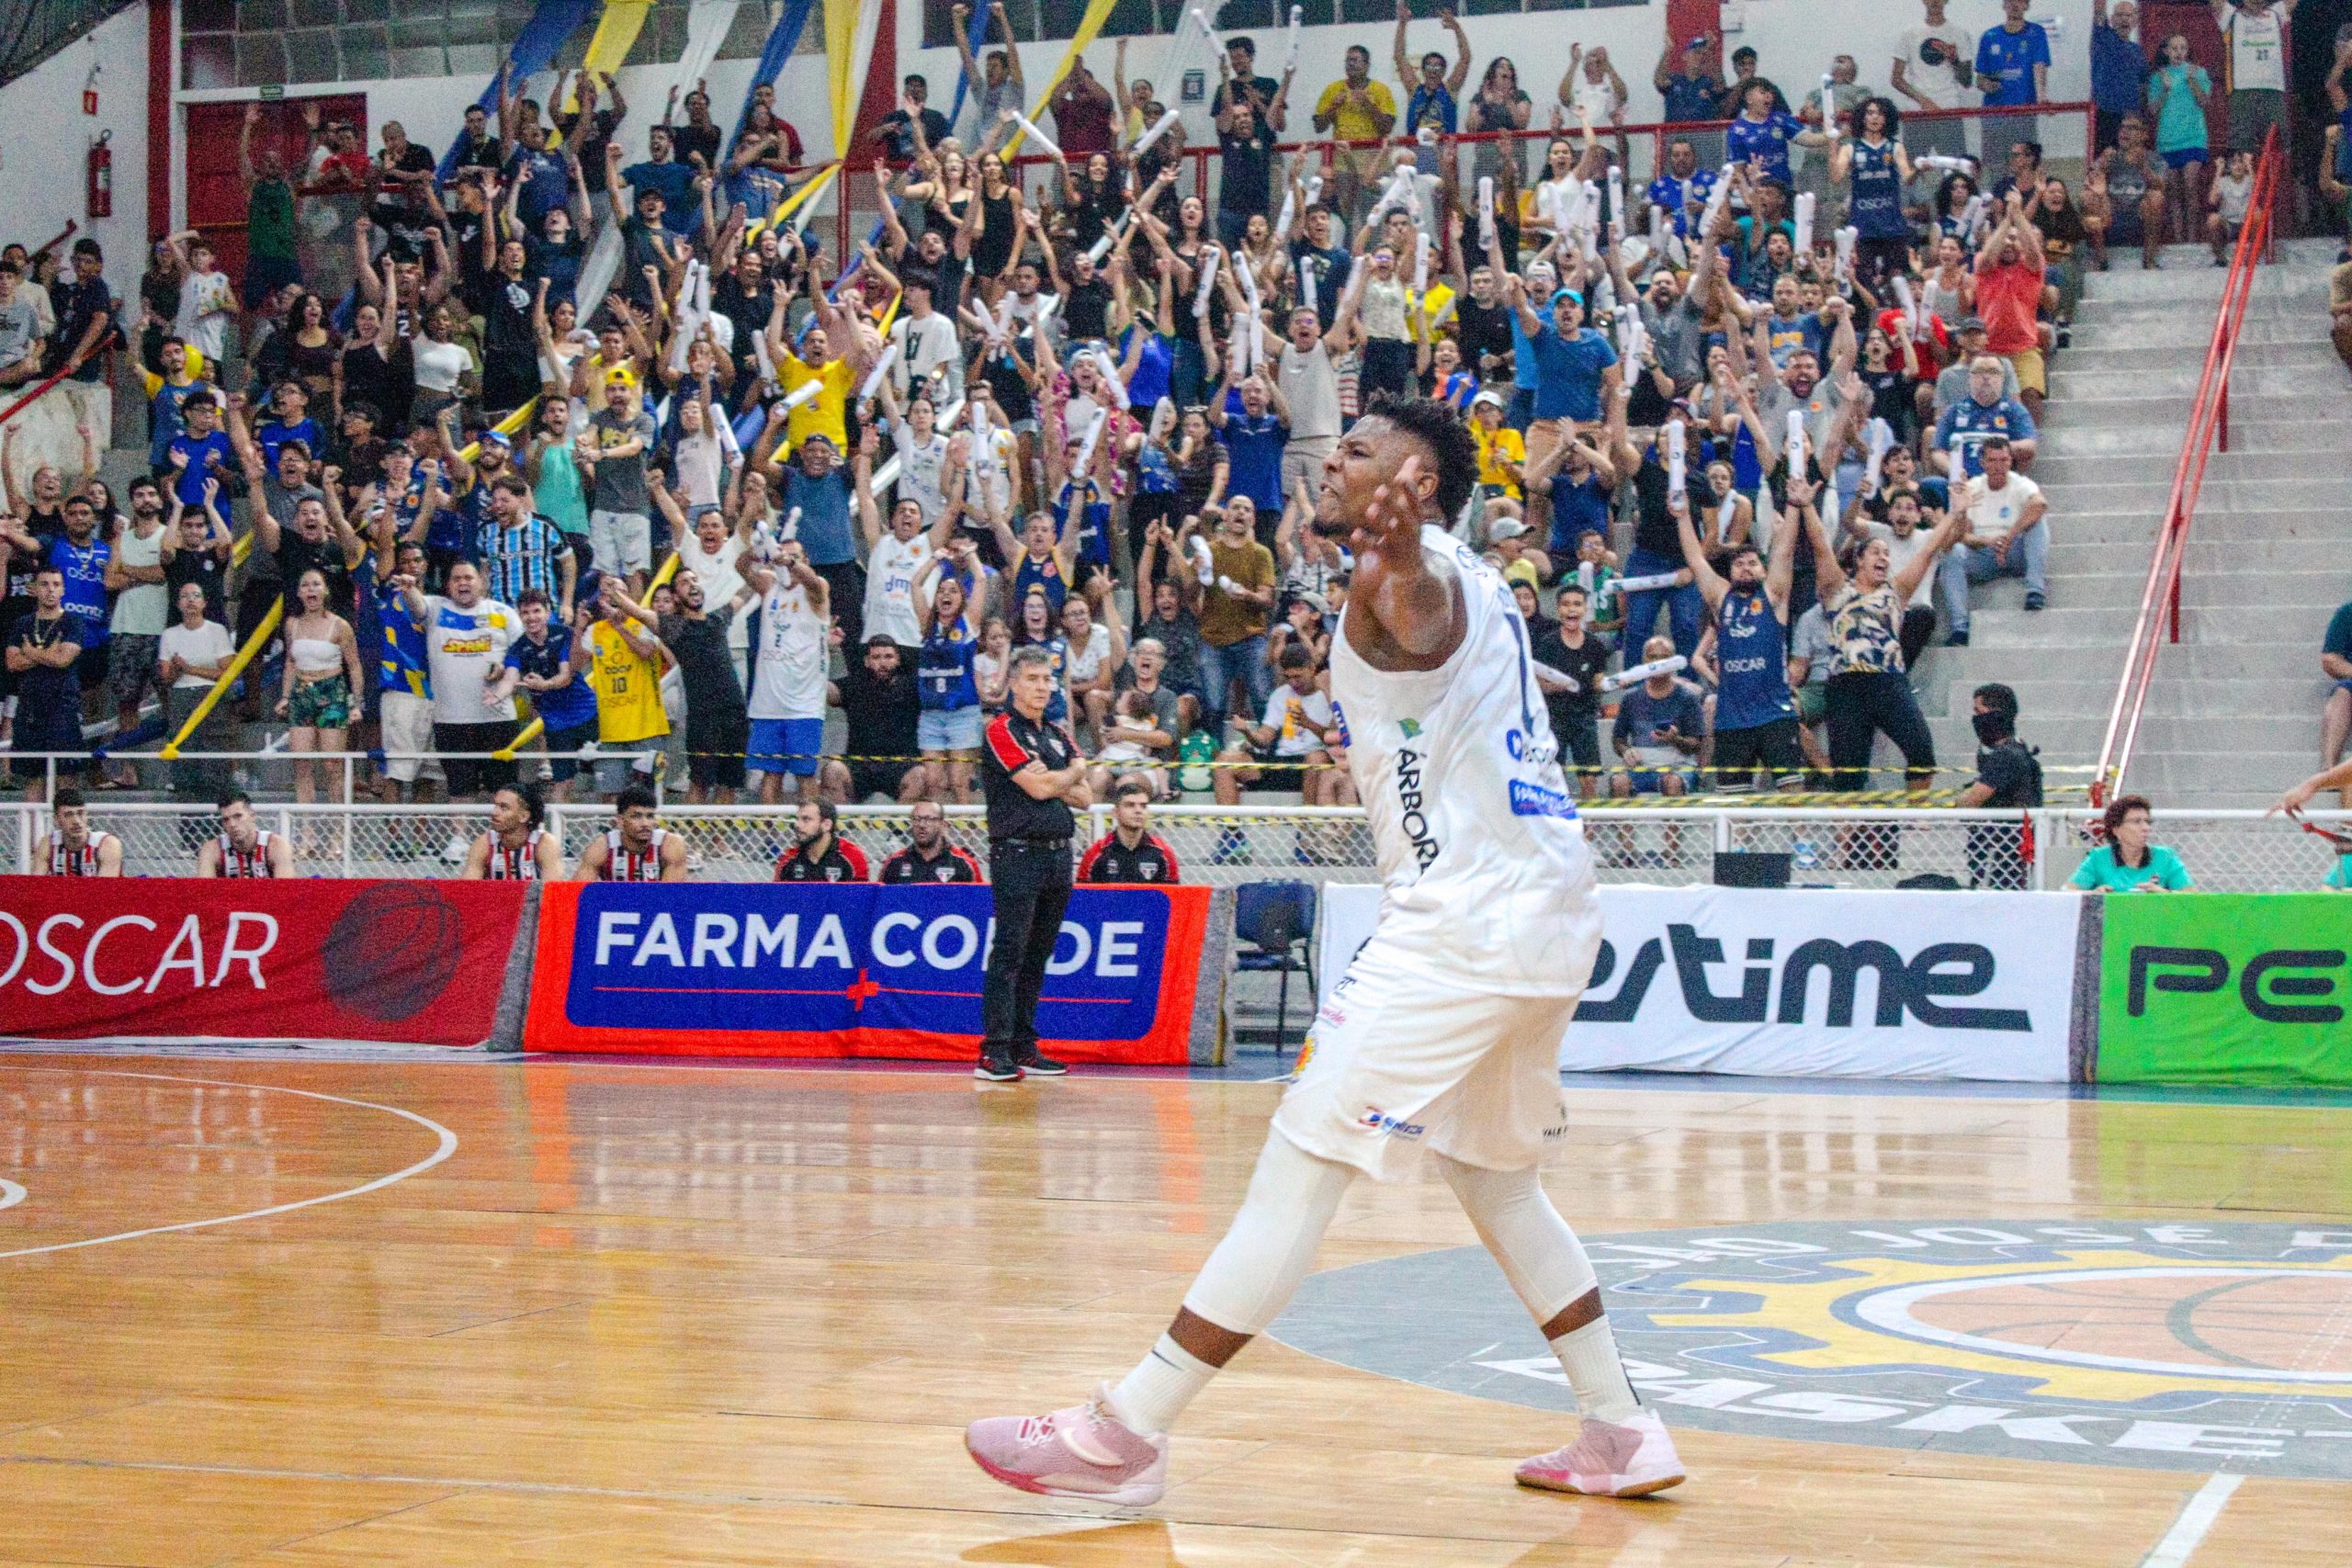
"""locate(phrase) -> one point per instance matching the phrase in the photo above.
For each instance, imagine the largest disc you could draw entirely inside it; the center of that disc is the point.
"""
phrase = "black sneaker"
(997, 1067)
(1038, 1066)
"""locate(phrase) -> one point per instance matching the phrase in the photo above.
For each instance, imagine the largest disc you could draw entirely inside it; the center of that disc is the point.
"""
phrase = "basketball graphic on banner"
(392, 950)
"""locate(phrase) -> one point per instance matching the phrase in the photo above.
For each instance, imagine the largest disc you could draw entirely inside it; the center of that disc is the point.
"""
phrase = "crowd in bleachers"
(1077, 402)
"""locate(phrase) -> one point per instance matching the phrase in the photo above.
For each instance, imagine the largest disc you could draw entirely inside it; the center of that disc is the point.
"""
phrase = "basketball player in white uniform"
(244, 848)
(1445, 1031)
(518, 848)
(74, 847)
(634, 848)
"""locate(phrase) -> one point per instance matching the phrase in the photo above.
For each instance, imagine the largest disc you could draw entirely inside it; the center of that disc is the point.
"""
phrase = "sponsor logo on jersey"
(1534, 800)
(1379, 1121)
(1412, 818)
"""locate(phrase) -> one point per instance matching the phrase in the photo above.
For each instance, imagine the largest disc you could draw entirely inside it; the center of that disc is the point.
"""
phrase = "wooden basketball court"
(678, 1314)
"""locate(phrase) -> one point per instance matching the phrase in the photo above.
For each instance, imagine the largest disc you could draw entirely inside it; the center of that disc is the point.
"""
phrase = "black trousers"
(1031, 884)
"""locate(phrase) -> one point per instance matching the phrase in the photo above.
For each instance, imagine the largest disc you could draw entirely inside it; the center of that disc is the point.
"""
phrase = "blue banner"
(807, 959)
(535, 50)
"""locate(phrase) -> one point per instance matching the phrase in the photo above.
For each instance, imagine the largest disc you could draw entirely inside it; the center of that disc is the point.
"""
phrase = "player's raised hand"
(1392, 518)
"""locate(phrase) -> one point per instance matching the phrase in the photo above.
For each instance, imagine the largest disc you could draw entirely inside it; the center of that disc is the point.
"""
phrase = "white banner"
(1781, 983)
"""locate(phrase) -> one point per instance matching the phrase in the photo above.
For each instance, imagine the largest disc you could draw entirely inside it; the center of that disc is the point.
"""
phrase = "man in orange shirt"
(2009, 296)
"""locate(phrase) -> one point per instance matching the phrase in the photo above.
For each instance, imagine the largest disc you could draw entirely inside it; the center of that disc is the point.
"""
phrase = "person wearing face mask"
(2008, 777)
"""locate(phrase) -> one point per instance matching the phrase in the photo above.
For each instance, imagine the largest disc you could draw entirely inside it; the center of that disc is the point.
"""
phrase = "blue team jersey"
(1972, 421)
(269, 437)
(1678, 196)
(1752, 652)
(1042, 575)
(1767, 139)
(2004, 62)
(943, 677)
(401, 663)
(1093, 524)
(85, 567)
(567, 706)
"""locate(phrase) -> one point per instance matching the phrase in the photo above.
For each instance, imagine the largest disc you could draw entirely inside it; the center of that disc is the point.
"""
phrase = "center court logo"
(2188, 1347)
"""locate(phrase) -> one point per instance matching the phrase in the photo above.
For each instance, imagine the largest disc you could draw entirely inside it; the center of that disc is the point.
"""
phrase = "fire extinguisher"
(102, 176)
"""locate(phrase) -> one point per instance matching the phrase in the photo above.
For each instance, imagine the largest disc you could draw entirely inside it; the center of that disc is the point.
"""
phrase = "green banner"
(2224, 988)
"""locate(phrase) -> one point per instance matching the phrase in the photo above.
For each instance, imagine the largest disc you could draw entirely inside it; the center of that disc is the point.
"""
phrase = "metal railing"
(1222, 846)
(2209, 426)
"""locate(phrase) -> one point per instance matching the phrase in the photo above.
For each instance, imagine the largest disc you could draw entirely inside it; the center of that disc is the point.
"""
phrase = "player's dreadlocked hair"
(1439, 427)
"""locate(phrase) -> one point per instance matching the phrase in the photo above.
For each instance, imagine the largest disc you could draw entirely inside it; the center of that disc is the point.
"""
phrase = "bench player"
(244, 848)
(1445, 1031)
(518, 848)
(74, 847)
(634, 849)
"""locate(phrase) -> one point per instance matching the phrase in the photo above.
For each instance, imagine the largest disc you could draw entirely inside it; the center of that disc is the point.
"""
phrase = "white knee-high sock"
(1246, 1280)
(1547, 1269)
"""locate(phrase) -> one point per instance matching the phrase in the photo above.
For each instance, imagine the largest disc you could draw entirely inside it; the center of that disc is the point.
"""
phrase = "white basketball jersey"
(788, 680)
(1487, 883)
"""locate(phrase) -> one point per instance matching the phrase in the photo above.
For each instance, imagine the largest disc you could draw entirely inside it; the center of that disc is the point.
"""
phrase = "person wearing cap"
(1521, 561)
(1687, 79)
(1576, 370)
(1951, 382)
(1502, 455)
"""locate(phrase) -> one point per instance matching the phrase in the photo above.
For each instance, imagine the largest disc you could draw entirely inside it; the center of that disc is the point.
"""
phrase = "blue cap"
(1560, 294)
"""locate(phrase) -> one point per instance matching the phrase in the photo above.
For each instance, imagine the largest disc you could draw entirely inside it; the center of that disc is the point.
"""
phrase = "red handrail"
(2159, 619)
(13, 410)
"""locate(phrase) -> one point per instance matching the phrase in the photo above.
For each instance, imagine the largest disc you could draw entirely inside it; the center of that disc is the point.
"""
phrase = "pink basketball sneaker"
(1083, 1451)
(1610, 1458)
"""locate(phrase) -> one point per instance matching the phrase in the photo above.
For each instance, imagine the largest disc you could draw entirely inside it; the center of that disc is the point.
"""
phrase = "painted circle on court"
(2189, 1347)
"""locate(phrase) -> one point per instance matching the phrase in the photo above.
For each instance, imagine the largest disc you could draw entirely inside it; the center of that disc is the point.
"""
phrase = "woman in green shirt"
(2127, 863)
(2179, 91)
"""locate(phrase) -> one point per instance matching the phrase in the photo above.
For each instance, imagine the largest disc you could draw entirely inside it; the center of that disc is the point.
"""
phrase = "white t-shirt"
(788, 682)
(891, 572)
(1938, 83)
(716, 571)
(1487, 884)
(462, 647)
(200, 292)
(920, 465)
(2257, 52)
(439, 364)
(140, 610)
(924, 346)
(2231, 197)
(1312, 386)
(698, 468)
(1298, 722)
(1995, 511)
(1596, 100)
(208, 644)
(1085, 663)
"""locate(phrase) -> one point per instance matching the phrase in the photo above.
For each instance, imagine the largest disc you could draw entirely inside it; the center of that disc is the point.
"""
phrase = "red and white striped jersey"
(624, 865)
(255, 862)
(518, 865)
(65, 862)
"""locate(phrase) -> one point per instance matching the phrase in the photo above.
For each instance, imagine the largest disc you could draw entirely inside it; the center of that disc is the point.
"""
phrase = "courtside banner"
(1797, 984)
(828, 969)
(180, 958)
(2226, 987)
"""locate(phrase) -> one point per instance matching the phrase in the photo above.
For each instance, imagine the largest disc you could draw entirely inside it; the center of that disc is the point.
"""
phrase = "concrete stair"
(2231, 716)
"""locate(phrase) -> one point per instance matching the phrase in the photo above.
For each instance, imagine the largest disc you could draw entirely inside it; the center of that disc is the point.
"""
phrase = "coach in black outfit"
(1034, 775)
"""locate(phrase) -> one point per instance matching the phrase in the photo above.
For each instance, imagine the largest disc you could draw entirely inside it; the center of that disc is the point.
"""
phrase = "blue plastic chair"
(1277, 921)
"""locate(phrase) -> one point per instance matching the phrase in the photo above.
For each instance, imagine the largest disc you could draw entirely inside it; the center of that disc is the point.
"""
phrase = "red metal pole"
(2225, 415)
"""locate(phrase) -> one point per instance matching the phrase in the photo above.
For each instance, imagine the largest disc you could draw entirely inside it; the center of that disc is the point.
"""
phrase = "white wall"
(45, 141)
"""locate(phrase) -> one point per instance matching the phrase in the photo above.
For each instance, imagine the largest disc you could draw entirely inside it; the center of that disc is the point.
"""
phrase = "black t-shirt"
(639, 251)
(297, 554)
(882, 714)
(45, 527)
(1110, 859)
(1585, 664)
(748, 308)
(2013, 771)
(1008, 385)
(1485, 330)
(1330, 268)
(1013, 741)
(51, 696)
(950, 865)
(206, 569)
(505, 307)
(592, 141)
(1247, 169)
(841, 862)
(394, 203)
(1086, 309)
(686, 141)
(714, 693)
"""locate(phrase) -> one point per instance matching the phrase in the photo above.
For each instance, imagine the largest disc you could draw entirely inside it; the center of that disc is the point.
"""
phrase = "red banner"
(823, 969)
(163, 958)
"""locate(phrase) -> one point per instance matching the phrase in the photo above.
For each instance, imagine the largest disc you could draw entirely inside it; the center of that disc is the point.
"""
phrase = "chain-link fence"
(2236, 851)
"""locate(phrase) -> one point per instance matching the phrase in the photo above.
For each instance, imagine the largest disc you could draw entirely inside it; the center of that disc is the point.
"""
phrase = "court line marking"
(2197, 1519)
(448, 1146)
(11, 1194)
